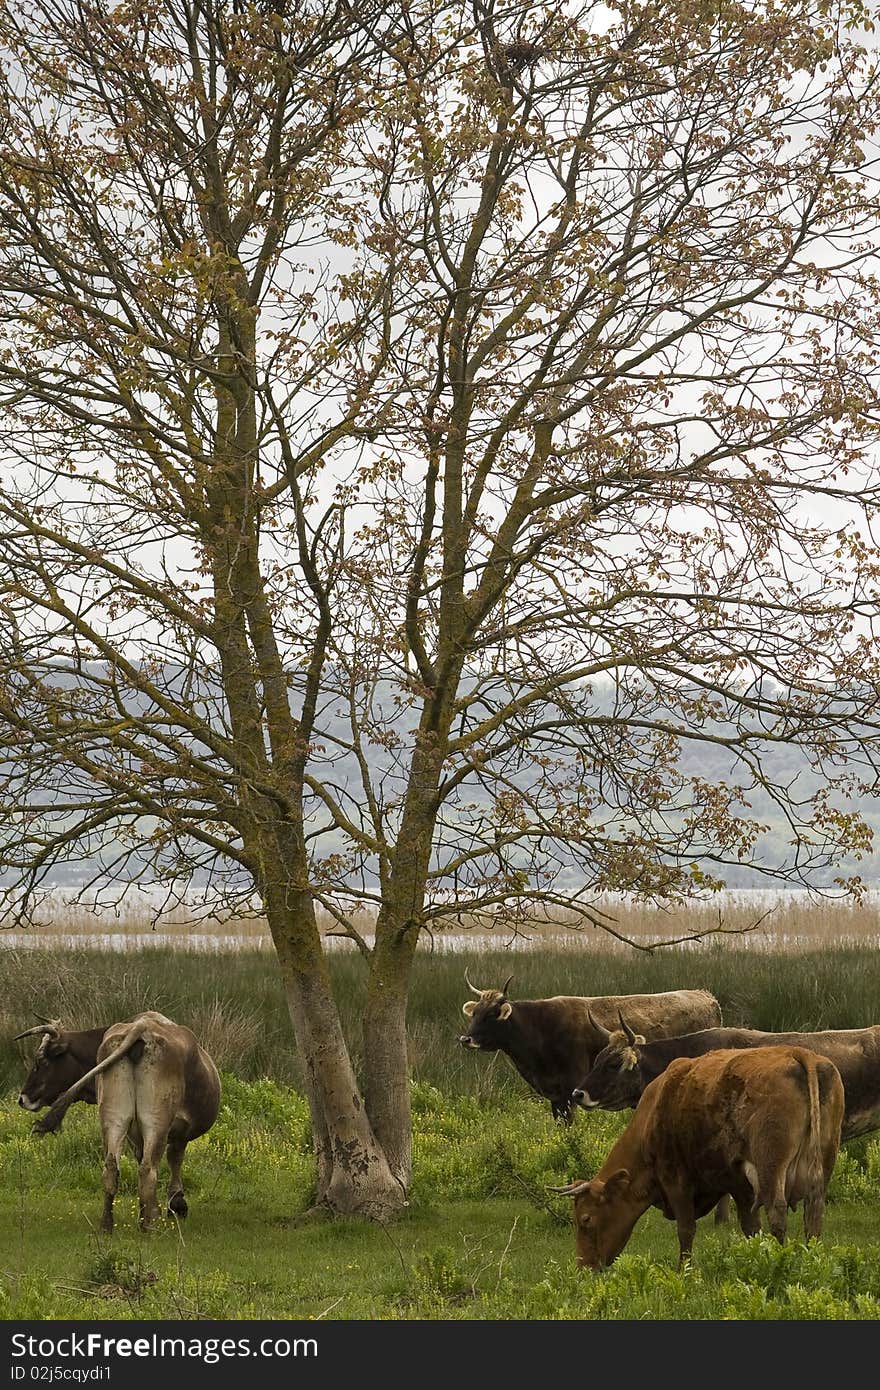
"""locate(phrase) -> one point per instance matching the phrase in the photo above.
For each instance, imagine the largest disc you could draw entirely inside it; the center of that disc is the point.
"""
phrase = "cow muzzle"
(582, 1099)
(468, 1042)
(26, 1103)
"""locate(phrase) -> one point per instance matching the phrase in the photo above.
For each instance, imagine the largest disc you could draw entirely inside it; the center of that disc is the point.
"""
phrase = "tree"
(379, 536)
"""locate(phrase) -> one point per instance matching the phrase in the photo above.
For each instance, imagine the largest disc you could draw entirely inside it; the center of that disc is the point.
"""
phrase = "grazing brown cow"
(155, 1086)
(552, 1042)
(762, 1125)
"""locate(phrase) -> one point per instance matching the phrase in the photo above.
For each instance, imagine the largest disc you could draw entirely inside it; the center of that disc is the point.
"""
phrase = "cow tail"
(815, 1169)
(51, 1121)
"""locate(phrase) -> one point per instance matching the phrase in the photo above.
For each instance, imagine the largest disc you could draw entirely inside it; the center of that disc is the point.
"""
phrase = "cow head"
(614, 1081)
(488, 1014)
(604, 1216)
(54, 1069)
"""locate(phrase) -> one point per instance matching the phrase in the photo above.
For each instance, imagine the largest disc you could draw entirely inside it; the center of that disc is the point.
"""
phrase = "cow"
(62, 1058)
(628, 1063)
(763, 1125)
(153, 1085)
(552, 1042)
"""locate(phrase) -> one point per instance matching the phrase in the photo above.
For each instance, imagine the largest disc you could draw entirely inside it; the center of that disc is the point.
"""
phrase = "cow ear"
(56, 1049)
(469, 1007)
(617, 1184)
(505, 1011)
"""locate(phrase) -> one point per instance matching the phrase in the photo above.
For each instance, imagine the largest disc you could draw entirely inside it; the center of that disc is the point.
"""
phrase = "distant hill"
(782, 765)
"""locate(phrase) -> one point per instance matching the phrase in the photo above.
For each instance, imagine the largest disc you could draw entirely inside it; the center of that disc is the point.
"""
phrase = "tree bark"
(354, 1176)
(386, 1054)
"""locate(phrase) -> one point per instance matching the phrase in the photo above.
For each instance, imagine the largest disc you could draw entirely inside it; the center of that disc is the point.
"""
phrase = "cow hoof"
(178, 1205)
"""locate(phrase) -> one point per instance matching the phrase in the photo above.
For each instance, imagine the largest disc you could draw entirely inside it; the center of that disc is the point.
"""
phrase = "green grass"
(482, 1237)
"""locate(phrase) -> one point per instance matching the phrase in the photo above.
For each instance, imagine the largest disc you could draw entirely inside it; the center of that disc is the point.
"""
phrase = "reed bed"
(236, 1005)
(759, 919)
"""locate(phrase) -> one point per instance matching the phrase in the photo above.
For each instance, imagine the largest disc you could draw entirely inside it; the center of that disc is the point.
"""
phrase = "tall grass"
(234, 1002)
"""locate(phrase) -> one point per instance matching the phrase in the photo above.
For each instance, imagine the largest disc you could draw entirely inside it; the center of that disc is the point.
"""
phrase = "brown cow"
(155, 1086)
(628, 1063)
(62, 1057)
(762, 1125)
(552, 1042)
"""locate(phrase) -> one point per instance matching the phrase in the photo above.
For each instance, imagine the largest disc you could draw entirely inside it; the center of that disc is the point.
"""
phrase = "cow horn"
(630, 1035)
(473, 988)
(506, 985)
(572, 1189)
(603, 1032)
(53, 1029)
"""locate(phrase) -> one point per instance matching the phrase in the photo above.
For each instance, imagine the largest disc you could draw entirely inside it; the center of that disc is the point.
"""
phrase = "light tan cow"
(156, 1087)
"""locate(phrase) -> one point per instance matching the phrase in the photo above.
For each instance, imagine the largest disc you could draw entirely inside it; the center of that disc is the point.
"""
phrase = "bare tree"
(419, 427)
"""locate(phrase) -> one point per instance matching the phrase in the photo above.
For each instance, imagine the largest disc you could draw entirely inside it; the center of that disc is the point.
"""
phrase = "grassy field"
(482, 1237)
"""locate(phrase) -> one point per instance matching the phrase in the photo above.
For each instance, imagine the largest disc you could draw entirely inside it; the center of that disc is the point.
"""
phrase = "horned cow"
(762, 1125)
(552, 1042)
(154, 1085)
(62, 1057)
(628, 1063)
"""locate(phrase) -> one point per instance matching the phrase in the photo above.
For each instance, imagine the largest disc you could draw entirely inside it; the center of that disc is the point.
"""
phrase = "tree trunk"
(386, 1055)
(354, 1176)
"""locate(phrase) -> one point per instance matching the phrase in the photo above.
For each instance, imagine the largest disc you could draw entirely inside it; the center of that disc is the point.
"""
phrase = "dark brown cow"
(552, 1042)
(63, 1057)
(762, 1125)
(628, 1063)
(155, 1086)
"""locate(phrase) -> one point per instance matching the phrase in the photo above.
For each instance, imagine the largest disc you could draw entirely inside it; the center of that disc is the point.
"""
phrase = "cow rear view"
(157, 1088)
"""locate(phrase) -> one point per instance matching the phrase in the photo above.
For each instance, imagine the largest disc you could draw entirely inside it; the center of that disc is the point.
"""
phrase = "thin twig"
(505, 1252)
(329, 1308)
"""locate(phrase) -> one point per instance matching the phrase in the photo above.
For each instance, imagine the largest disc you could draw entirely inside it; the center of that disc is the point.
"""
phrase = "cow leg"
(176, 1200)
(686, 1222)
(776, 1205)
(562, 1111)
(114, 1132)
(148, 1172)
(722, 1211)
(749, 1214)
